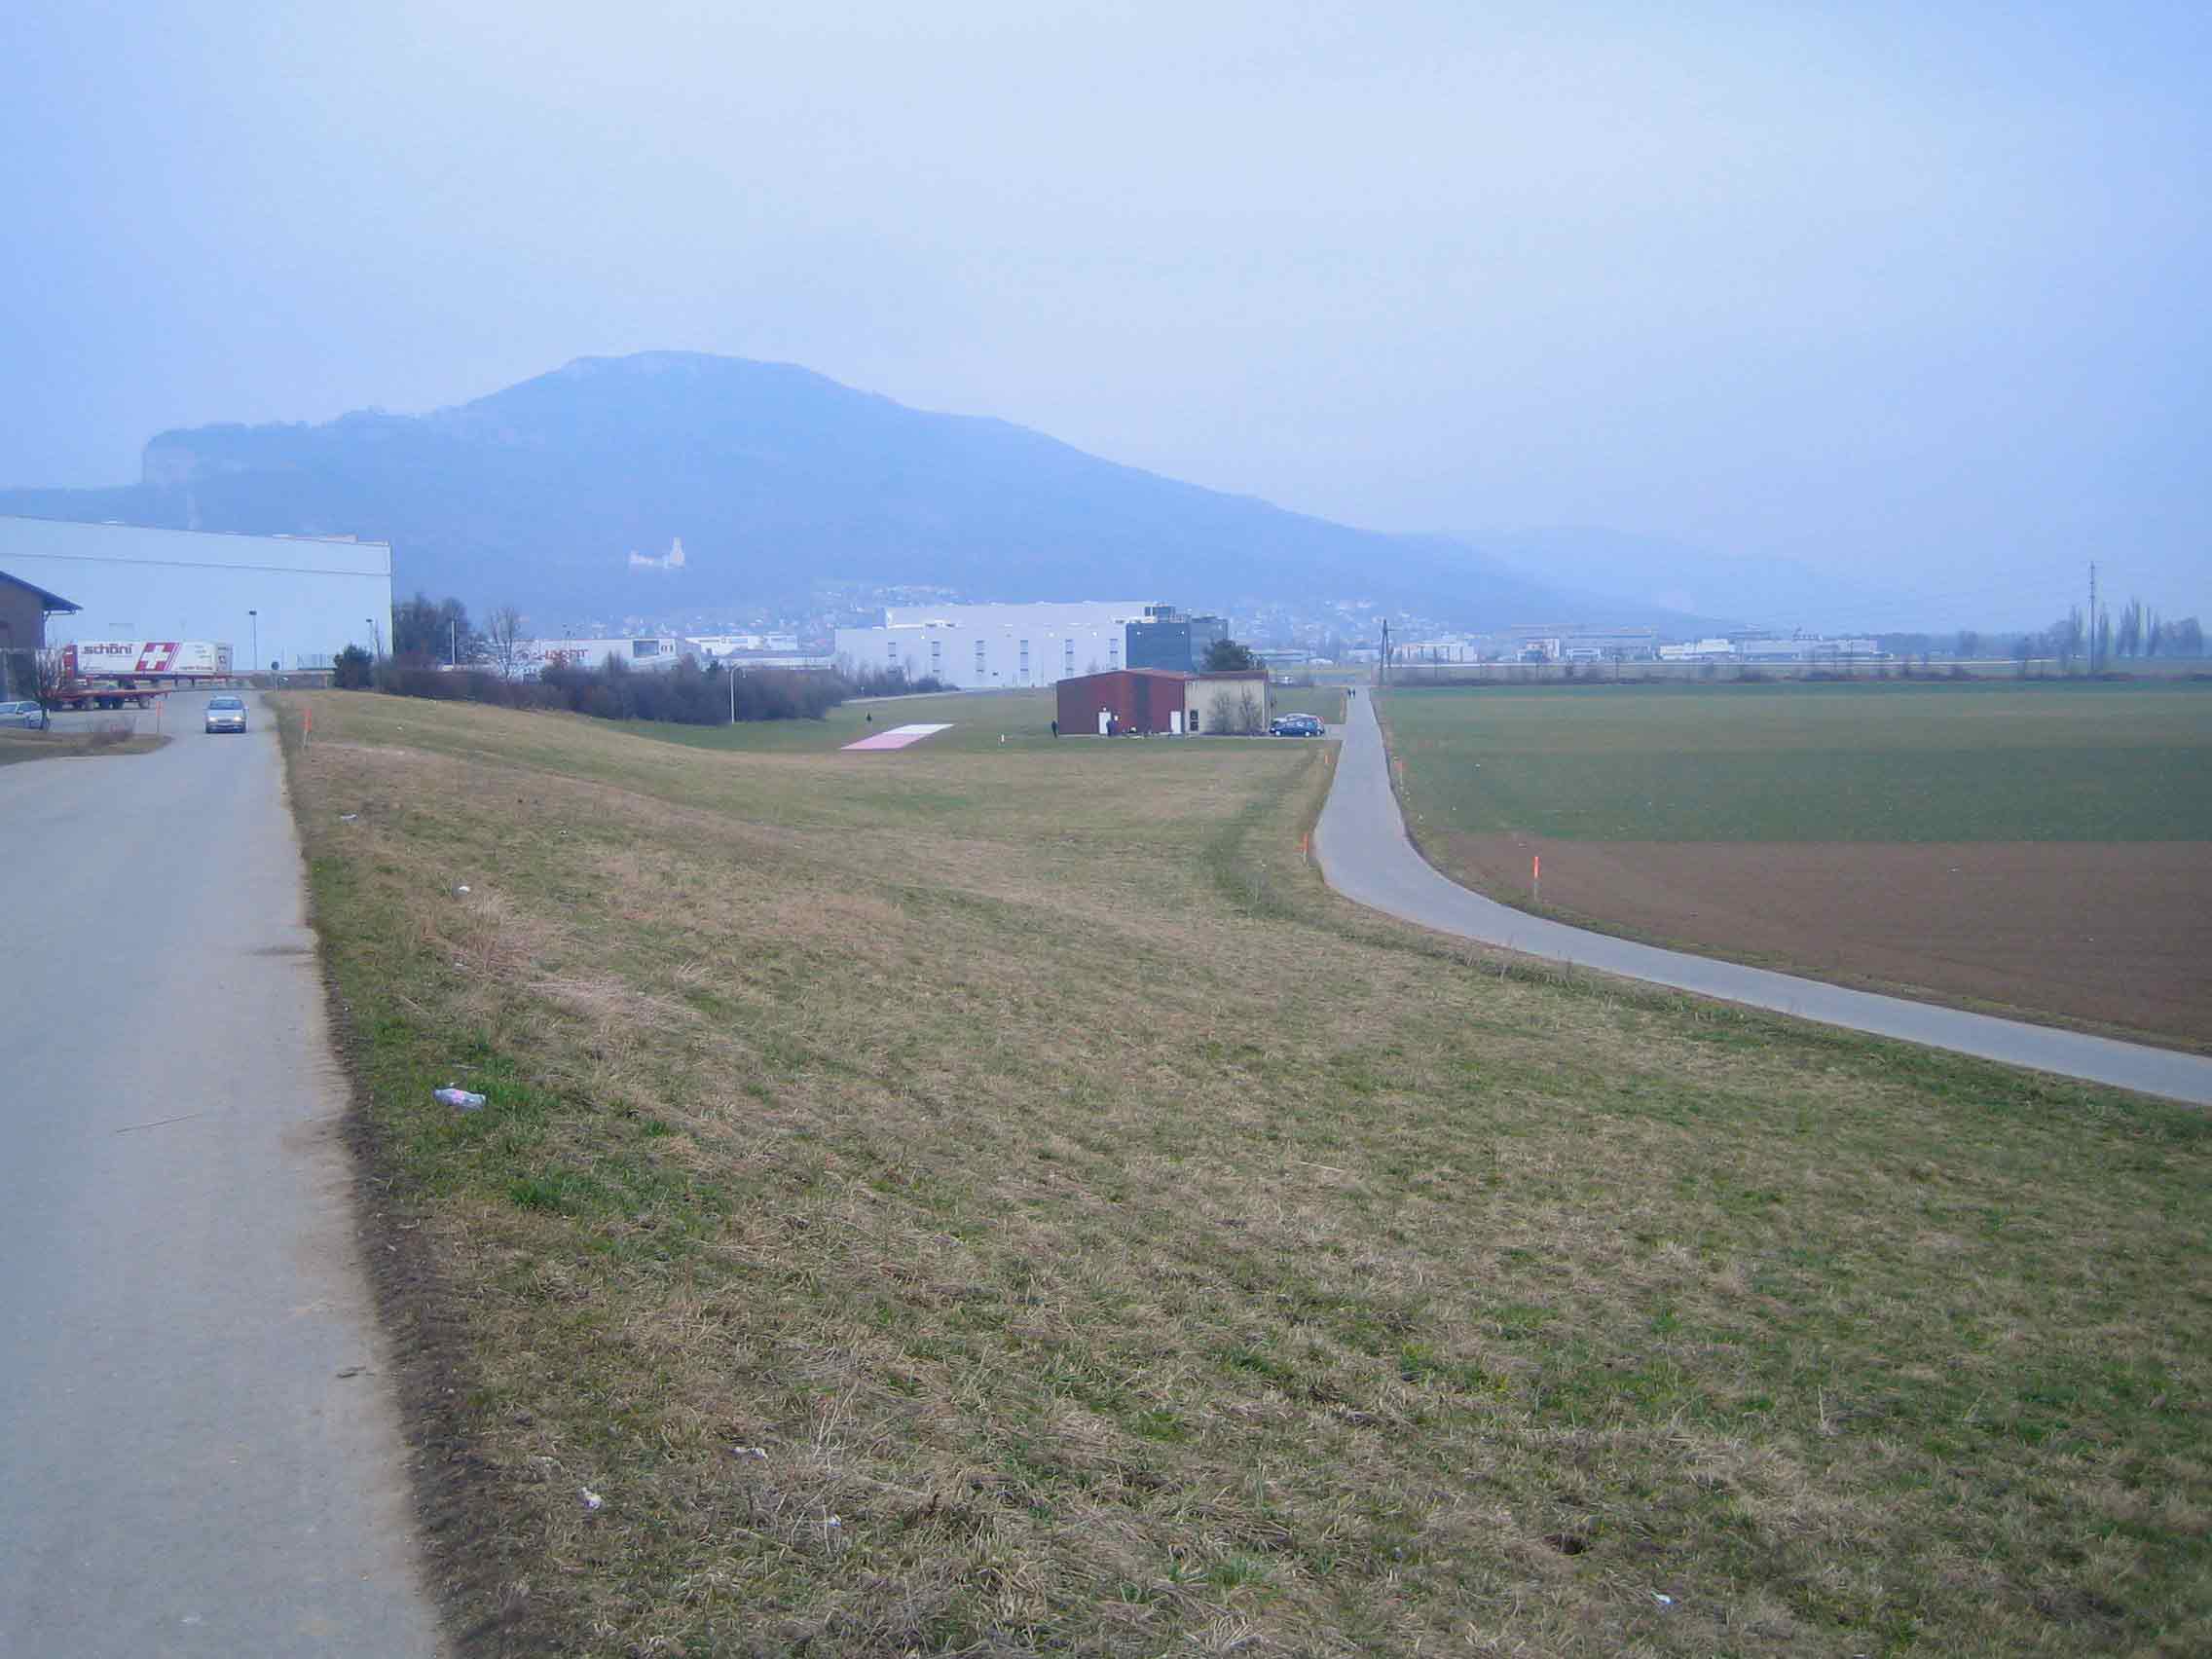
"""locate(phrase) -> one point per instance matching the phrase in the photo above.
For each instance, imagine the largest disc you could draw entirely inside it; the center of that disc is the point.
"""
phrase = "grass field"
(1324, 702)
(1800, 763)
(977, 718)
(984, 1200)
(2045, 850)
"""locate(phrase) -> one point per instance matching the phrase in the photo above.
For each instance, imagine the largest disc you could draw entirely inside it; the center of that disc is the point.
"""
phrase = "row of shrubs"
(686, 695)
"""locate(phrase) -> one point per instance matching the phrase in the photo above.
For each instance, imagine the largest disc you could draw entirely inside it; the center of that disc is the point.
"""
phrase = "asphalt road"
(1365, 855)
(198, 1445)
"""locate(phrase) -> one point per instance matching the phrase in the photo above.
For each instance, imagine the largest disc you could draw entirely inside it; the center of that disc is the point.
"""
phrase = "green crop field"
(1806, 763)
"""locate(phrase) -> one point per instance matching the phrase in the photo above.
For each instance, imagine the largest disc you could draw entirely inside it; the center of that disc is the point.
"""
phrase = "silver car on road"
(226, 714)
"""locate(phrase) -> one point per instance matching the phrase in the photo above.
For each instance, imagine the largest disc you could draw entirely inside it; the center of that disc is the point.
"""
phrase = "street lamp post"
(376, 634)
(733, 693)
(254, 662)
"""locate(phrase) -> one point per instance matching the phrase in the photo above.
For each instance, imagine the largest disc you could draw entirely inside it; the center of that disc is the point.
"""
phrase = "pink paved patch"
(898, 737)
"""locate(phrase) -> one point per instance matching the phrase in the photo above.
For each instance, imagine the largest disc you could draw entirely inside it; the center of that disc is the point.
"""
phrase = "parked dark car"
(1295, 725)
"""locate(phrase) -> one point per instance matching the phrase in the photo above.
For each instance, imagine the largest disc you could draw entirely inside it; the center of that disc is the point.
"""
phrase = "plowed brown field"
(2115, 934)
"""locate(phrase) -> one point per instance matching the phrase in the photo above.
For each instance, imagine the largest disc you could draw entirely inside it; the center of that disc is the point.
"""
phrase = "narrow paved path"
(1365, 855)
(198, 1445)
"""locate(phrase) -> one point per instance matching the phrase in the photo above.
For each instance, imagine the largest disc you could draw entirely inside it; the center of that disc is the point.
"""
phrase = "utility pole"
(453, 638)
(2093, 618)
(1383, 663)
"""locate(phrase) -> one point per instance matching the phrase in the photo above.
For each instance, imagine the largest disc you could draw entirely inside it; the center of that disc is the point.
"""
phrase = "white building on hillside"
(980, 646)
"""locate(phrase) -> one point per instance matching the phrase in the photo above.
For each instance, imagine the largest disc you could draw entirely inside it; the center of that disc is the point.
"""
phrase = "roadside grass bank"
(978, 1201)
(2034, 851)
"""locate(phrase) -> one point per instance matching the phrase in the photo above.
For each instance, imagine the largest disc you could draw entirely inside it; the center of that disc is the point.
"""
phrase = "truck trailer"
(114, 674)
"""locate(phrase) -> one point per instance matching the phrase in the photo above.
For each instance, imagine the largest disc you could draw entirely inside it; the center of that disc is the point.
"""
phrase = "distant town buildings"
(1591, 643)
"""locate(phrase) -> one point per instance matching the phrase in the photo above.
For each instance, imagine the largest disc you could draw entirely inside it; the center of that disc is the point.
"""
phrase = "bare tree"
(2072, 639)
(52, 676)
(503, 638)
(1234, 712)
(2129, 640)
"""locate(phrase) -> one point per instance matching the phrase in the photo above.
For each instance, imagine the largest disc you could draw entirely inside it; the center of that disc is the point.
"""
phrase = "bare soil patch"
(2115, 933)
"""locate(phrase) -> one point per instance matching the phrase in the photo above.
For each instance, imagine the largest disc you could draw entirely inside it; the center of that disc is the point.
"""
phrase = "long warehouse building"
(975, 647)
(281, 602)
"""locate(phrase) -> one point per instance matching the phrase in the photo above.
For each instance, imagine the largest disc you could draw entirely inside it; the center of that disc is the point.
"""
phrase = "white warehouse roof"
(298, 600)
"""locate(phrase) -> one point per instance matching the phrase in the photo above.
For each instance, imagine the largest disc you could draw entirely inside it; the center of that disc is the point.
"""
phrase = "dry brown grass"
(111, 737)
(998, 1202)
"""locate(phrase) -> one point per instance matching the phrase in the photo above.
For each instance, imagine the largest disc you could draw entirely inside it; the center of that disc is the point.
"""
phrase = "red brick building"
(1160, 702)
(1148, 701)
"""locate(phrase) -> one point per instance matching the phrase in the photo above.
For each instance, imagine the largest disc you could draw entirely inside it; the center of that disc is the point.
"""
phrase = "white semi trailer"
(111, 674)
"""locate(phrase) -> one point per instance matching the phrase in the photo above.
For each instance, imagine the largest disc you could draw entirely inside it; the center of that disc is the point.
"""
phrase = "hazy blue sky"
(1917, 293)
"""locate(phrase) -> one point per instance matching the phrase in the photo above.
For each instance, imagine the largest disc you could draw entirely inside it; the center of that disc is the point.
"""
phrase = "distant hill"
(1648, 572)
(568, 494)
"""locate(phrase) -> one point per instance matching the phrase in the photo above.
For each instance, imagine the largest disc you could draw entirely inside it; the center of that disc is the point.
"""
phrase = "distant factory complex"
(975, 648)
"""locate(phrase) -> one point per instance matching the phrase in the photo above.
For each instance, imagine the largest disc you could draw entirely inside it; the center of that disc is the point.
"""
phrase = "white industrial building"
(649, 653)
(1769, 648)
(293, 601)
(1451, 650)
(978, 646)
(729, 645)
